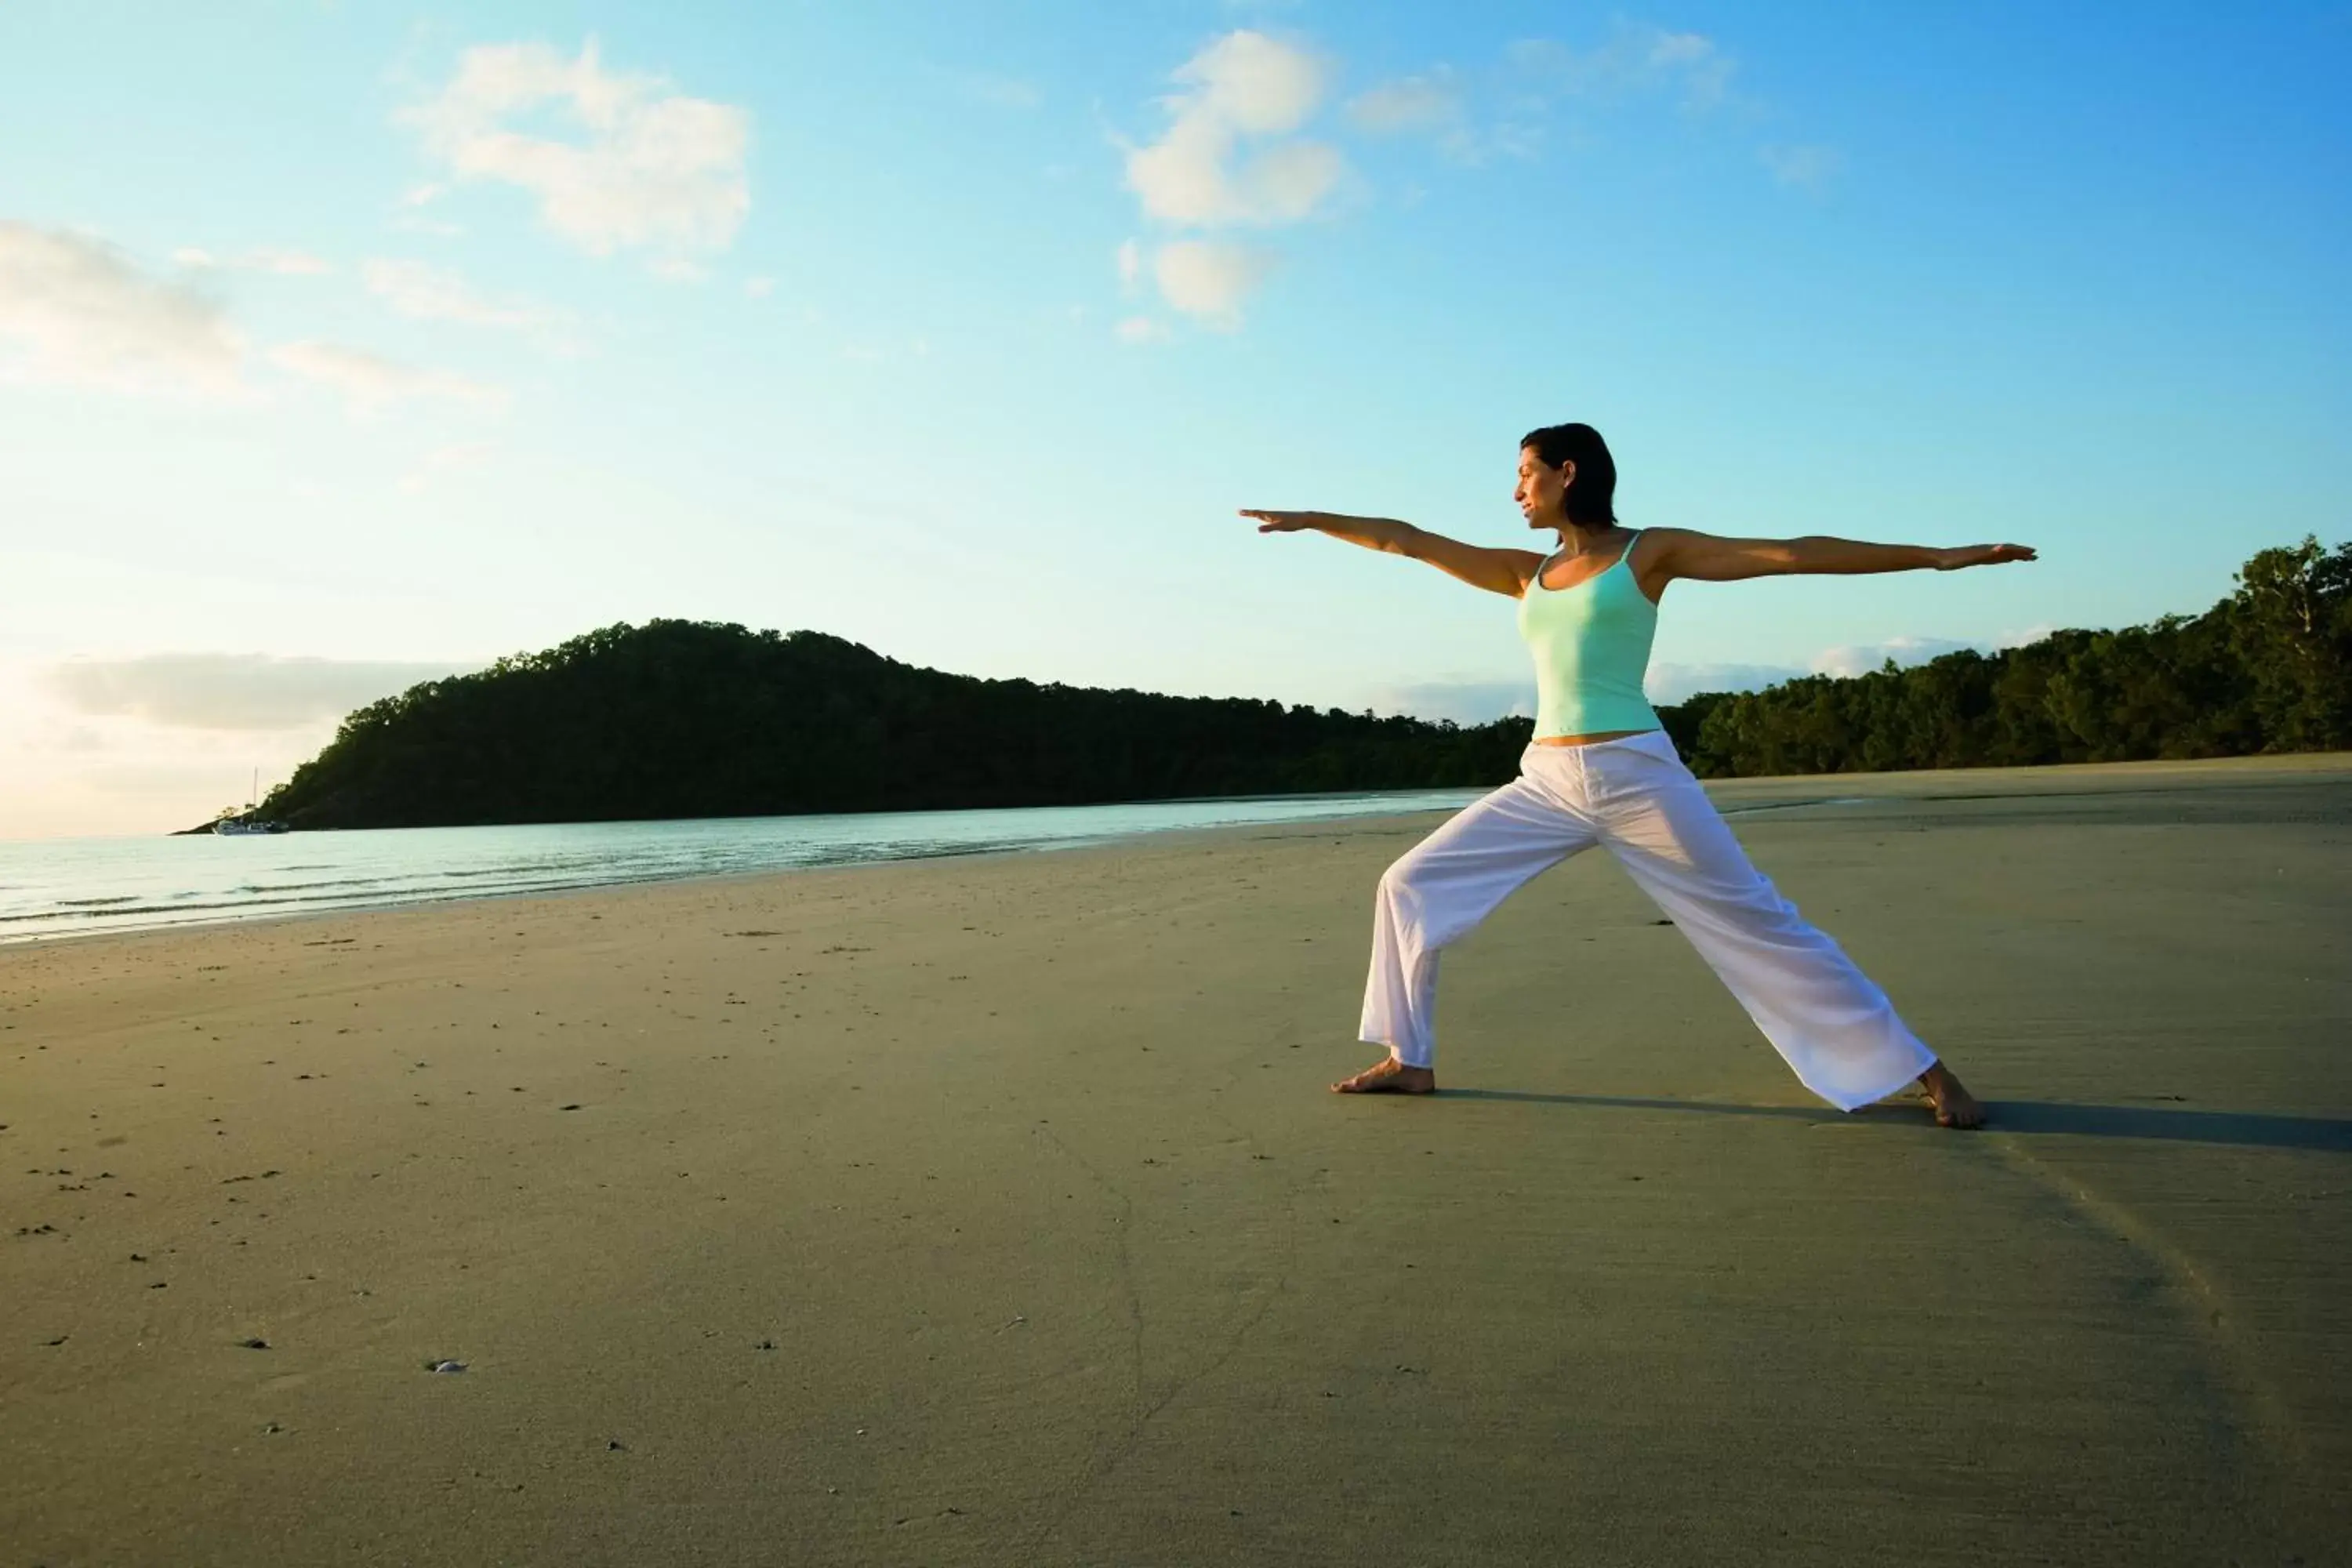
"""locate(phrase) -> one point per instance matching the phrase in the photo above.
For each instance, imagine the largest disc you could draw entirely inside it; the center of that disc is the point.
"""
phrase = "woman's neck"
(1577, 540)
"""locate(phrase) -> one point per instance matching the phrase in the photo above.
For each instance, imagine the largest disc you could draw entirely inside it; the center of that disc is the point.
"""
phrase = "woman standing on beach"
(1602, 771)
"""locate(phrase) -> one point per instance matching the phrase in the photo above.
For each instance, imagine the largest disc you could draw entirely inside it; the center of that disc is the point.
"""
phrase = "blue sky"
(344, 345)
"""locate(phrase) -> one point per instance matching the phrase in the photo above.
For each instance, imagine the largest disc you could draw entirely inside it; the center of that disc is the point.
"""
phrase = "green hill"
(692, 719)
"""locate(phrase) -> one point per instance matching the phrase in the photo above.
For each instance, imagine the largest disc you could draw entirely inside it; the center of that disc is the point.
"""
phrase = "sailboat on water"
(246, 821)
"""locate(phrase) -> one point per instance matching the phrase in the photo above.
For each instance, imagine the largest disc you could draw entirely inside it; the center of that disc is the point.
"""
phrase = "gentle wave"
(80, 887)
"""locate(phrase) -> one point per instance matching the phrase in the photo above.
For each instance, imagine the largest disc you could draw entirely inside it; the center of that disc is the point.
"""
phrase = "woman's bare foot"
(1953, 1104)
(1389, 1077)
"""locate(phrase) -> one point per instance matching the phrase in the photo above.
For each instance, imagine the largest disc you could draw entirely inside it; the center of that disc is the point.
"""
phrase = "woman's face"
(1541, 489)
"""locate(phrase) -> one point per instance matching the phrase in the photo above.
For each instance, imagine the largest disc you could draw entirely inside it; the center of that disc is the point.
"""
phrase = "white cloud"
(1140, 330)
(1668, 684)
(1426, 103)
(1634, 64)
(1703, 70)
(74, 310)
(425, 293)
(285, 263)
(758, 288)
(677, 269)
(994, 88)
(1208, 281)
(371, 381)
(1246, 85)
(1863, 658)
(1807, 167)
(410, 219)
(443, 460)
(1130, 263)
(652, 167)
(227, 691)
(1637, 58)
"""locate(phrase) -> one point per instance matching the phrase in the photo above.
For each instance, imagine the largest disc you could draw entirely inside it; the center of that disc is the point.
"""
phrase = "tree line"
(2268, 668)
(684, 719)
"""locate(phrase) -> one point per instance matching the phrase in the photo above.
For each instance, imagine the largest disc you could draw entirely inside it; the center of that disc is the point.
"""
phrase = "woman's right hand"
(1281, 522)
(1982, 555)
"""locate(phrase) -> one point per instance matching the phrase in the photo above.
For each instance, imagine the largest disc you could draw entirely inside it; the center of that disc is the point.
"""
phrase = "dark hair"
(1592, 494)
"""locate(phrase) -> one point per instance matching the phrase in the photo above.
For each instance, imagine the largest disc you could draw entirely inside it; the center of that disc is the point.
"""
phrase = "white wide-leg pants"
(1821, 1014)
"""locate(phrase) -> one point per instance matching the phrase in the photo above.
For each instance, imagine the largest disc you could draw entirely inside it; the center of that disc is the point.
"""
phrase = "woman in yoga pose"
(1602, 771)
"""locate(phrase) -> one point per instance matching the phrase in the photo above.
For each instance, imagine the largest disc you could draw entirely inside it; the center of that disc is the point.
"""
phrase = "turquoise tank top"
(1592, 647)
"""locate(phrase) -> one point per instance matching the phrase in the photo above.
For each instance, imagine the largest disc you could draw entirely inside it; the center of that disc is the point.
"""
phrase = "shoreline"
(1776, 792)
(695, 878)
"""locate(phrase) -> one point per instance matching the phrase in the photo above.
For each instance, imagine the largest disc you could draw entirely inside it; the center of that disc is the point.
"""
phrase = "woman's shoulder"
(1651, 558)
(1656, 546)
(1663, 538)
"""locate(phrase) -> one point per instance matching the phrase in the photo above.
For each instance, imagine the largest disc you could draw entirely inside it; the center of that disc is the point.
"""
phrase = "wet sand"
(994, 1212)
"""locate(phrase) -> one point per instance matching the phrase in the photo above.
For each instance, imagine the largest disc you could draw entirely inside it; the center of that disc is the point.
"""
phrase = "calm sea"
(74, 887)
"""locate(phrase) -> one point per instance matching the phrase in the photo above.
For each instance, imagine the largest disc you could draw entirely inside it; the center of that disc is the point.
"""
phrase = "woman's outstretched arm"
(1706, 558)
(1503, 572)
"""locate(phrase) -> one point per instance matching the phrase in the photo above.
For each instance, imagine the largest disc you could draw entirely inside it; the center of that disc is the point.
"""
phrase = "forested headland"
(680, 718)
(695, 718)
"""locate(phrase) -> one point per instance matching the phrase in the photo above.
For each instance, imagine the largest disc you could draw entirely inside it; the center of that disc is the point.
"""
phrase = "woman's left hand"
(1983, 555)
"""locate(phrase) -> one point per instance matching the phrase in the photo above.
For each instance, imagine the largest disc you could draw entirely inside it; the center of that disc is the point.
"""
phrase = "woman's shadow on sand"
(2238, 1129)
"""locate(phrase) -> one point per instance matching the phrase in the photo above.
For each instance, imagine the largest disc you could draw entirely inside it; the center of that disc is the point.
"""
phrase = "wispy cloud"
(1671, 683)
(371, 383)
(410, 217)
(993, 89)
(1510, 106)
(1860, 658)
(443, 460)
(1140, 330)
(74, 310)
(1431, 101)
(426, 293)
(284, 263)
(1808, 167)
(228, 690)
(650, 167)
(1637, 57)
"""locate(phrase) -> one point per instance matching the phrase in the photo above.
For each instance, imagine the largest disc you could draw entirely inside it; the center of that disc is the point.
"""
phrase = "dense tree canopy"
(694, 719)
(2269, 668)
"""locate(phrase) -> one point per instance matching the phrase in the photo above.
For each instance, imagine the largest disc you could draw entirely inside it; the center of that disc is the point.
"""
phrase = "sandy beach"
(994, 1211)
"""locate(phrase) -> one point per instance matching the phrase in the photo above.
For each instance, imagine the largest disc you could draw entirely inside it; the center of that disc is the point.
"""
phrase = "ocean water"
(75, 887)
